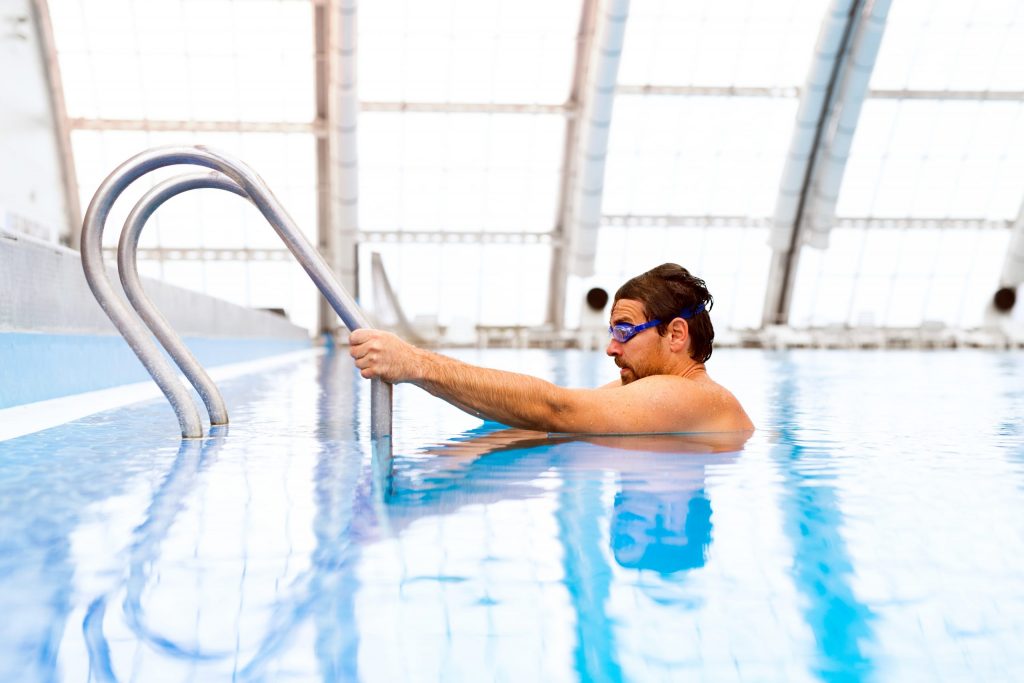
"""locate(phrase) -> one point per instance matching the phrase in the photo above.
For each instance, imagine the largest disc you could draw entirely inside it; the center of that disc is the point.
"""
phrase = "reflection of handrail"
(167, 502)
(329, 572)
(128, 269)
(135, 333)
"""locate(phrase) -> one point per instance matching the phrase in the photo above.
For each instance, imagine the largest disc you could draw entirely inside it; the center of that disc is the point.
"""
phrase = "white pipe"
(598, 100)
(820, 214)
(1013, 266)
(794, 174)
(344, 158)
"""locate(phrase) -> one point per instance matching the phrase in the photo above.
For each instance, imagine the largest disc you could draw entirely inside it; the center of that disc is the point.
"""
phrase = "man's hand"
(381, 354)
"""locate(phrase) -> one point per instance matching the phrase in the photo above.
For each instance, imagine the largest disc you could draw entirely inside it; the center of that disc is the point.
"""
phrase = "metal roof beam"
(468, 108)
(451, 237)
(174, 126)
(705, 91)
(828, 171)
(830, 105)
(318, 127)
(597, 104)
(62, 129)
(1013, 265)
(851, 222)
(750, 91)
(337, 110)
(599, 50)
(559, 262)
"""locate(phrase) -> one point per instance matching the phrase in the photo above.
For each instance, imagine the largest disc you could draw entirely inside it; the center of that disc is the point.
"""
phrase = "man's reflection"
(665, 532)
(659, 519)
(661, 516)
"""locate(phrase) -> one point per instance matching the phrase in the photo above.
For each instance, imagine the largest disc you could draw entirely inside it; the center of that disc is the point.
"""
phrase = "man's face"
(642, 355)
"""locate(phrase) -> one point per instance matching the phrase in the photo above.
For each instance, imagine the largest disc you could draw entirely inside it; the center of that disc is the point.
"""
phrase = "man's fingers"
(360, 351)
(374, 352)
(361, 342)
(359, 336)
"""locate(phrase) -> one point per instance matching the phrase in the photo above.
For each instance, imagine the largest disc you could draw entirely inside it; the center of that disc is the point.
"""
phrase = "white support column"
(602, 30)
(559, 252)
(337, 153)
(596, 120)
(830, 106)
(1013, 266)
(62, 131)
(344, 114)
(810, 115)
(834, 154)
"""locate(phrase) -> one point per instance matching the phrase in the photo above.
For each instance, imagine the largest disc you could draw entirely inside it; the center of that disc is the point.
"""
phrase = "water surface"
(871, 529)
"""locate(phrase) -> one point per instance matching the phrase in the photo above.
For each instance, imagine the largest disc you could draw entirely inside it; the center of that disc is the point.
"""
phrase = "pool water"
(871, 529)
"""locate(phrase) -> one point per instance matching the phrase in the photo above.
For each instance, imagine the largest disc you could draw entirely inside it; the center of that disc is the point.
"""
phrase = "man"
(661, 337)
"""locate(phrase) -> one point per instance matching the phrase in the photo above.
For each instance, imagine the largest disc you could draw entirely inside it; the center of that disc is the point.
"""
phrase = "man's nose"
(614, 348)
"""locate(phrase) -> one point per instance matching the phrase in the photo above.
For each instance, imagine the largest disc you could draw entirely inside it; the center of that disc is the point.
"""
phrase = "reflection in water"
(334, 584)
(637, 503)
(144, 554)
(275, 558)
(663, 533)
(49, 483)
(194, 457)
(325, 593)
(660, 519)
(822, 566)
(588, 580)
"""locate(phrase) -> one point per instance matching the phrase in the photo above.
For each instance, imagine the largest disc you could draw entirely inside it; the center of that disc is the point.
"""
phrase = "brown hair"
(666, 293)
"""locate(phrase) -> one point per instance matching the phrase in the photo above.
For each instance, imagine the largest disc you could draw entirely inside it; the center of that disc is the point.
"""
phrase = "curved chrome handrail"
(264, 200)
(128, 269)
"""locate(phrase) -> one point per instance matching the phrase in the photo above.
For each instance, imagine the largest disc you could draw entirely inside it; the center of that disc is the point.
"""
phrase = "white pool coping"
(35, 417)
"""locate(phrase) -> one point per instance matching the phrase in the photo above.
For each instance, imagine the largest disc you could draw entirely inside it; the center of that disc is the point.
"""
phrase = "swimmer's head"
(668, 290)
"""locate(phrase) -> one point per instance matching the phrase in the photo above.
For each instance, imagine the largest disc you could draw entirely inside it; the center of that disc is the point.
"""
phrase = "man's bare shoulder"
(699, 404)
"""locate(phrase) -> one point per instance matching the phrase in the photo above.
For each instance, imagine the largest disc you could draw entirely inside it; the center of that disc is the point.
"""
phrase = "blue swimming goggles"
(623, 332)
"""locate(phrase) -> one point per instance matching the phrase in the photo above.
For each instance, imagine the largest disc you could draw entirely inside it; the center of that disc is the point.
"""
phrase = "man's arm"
(653, 404)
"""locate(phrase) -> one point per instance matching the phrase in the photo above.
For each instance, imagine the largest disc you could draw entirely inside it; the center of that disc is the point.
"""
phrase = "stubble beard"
(626, 379)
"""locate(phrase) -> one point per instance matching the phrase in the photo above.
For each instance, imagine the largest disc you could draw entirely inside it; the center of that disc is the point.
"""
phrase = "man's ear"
(678, 334)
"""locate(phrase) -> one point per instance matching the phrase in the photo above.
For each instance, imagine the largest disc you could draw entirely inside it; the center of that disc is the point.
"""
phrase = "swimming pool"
(872, 529)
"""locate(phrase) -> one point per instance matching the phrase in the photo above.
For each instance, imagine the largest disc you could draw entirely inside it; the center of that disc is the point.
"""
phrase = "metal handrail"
(128, 270)
(264, 200)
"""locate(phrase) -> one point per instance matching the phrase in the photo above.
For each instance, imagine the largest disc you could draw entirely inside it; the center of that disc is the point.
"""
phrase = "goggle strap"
(692, 311)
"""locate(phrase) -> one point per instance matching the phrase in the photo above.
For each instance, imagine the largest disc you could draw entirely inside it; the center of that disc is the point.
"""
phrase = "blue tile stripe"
(37, 367)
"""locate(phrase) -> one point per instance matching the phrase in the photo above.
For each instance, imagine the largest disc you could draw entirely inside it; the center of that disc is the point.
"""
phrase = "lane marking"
(35, 417)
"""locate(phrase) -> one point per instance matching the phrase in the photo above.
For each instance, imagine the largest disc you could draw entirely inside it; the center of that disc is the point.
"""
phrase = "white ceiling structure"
(840, 162)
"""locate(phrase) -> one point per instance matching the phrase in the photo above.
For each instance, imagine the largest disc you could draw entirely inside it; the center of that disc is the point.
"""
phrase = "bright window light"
(720, 42)
(488, 51)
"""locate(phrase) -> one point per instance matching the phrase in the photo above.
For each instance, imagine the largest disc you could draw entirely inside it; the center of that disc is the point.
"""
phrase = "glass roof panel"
(459, 172)
(186, 59)
(732, 260)
(939, 159)
(488, 51)
(463, 284)
(672, 155)
(871, 277)
(720, 42)
(952, 45)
